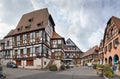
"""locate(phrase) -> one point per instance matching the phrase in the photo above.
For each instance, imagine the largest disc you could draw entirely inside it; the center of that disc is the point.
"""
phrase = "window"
(110, 46)
(59, 41)
(8, 53)
(24, 37)
(31, 36)
(73, 48)
(68, 42)
(29, 63)
(28, 38)
(21, 52)
(18, 29)
(39, 24)
(105, 49)
(112, 31)
(68, 48)
(40, 33)
(45, 50)
(37, 36)
(8, 43)
(28, 51)
(21, 39)
(27, 27)
(36, 49)
(115, 42)
(44, 62)
(24, 51)
(54, 42)
(30, 20)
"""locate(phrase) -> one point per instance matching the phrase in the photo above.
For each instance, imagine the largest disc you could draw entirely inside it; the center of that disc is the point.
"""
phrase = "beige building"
(34, 40)
(90, 56)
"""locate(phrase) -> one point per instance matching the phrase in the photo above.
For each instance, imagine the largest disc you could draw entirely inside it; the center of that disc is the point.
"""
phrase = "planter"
(53, 68)
(105, 77)
(100, 71)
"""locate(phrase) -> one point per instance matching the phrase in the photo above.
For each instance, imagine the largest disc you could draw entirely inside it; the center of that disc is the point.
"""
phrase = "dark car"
(2, 76)
(12, 65)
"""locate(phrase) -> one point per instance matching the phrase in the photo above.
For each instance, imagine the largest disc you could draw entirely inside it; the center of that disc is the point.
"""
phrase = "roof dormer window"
(27, 27)
(30, 20)
(18, 29)
(39, 24)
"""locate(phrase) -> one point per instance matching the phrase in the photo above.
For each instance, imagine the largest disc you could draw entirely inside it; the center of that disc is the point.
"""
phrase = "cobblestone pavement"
(74, 73)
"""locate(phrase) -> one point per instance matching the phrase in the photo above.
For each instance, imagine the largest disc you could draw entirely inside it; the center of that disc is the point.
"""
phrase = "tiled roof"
(116, 21)
(90, 51)
(29, 21)
(55, 35)
(33, 21)
(10, 33)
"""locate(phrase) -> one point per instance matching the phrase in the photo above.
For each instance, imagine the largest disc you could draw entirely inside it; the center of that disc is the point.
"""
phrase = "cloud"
(12, 11)
(83, 21)
(5, 28)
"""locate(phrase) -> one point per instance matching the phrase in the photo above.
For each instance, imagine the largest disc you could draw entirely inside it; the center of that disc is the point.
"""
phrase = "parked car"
(2, 76)
(89, 64)
(72, 65)
(11, 65)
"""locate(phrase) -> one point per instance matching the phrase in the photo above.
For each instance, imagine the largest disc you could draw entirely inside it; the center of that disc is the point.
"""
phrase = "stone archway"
(116, 58)
(110, 60)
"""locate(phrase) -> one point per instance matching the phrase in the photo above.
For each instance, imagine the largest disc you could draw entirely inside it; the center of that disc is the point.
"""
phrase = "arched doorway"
(110, 60)
(116, 58)
(105, 60)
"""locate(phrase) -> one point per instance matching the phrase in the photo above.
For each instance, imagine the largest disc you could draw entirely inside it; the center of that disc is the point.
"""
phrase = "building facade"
(101, 53)
(30, 44)
(90, 56)
(111, 41)
(72, 52)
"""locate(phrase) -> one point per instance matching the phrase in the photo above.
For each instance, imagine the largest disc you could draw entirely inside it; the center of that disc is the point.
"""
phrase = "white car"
(72, 65)
(89, 64)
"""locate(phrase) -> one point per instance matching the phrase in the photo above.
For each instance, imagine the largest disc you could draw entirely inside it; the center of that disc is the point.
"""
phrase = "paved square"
(75, 73)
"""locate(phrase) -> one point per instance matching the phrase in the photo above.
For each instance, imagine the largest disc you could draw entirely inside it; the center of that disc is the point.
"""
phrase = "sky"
(83, 21)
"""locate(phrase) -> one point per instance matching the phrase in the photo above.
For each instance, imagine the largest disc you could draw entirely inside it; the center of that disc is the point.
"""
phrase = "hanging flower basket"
(37, 39)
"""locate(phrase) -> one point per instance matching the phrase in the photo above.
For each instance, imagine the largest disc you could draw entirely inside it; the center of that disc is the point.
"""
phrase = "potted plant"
(53, 68)
(94, 66)
(62, 67)
(100, 70)
(107, 71)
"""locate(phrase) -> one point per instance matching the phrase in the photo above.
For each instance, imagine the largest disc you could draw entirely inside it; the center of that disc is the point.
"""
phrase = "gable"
(112, 28)
(70, 44)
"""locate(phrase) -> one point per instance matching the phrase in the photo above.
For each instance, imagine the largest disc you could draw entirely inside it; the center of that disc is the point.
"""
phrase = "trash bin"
(114, 67)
